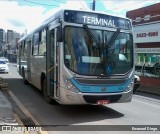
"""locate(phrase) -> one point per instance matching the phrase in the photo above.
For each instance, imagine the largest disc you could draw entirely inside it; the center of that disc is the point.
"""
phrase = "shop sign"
(147, 36)
(147, 50)
(146, 33)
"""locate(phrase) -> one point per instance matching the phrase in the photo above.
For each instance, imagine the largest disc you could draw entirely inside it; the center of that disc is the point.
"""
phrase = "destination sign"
(90, 18)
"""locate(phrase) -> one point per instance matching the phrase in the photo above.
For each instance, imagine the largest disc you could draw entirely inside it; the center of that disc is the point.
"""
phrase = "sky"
(25, 15)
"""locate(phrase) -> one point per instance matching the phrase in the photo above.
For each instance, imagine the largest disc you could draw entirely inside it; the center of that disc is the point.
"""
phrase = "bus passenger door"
(52, 66)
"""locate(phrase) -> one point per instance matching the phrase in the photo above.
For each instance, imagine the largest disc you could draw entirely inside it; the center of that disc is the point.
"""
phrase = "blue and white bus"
(80, 57)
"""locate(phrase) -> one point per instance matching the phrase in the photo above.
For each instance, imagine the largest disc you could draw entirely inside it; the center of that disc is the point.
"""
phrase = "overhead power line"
(127, 5)
(58, 1)
(82, 5)
(99, 5)
(49, 4)
(39, 3)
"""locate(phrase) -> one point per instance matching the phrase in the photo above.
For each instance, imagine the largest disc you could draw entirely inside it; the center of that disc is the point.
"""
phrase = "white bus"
(80, 57)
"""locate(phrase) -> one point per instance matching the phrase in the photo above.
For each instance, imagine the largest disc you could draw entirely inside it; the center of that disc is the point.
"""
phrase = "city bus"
(80, 57)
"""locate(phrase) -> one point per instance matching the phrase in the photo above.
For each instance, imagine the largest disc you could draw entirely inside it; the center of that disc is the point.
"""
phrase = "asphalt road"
(143, 110)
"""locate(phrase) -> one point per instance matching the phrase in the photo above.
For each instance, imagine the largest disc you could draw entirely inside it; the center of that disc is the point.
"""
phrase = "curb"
(3, 84)
(149, 89)
(20, 123)
(4, 87)
(27, 113)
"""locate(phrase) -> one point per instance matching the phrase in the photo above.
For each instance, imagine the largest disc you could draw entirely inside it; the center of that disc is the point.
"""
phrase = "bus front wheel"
(44, 90)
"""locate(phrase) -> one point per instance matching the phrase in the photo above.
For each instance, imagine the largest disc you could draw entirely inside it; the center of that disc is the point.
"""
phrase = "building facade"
(9, 44)
(146, 27)
(146, 34)
(2, 41)
(12, 43)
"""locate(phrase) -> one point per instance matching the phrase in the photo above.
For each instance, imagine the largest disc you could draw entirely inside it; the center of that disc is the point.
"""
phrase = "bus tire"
(23, 75)
(47, 98)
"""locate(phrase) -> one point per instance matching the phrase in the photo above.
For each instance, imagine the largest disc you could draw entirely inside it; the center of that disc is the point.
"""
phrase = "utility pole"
(94, 5)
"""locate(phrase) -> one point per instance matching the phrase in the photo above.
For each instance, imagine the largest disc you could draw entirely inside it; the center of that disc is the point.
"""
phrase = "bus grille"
(94, 98)
(100, 81)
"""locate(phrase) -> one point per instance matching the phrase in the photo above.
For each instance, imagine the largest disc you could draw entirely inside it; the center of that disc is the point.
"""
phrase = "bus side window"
(42, 42)
(35, 44)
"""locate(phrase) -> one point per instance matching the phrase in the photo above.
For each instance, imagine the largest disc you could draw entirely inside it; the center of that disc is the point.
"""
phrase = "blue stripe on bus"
(98, 88)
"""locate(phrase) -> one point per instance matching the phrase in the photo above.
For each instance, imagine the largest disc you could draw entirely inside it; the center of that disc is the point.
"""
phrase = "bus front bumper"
(93, 98)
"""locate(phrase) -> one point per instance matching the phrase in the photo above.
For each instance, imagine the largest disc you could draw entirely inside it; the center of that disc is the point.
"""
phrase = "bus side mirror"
(59, 34)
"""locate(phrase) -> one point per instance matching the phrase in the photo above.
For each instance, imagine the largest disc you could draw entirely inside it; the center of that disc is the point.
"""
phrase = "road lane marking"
(147, 98)
(147, 103)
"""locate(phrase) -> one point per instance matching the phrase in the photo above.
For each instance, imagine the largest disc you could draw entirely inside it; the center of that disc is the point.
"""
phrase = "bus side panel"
(38, 65)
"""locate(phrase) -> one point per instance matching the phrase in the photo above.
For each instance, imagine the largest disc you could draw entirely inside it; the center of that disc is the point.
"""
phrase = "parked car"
(3, 67)
(136, 83)
(4, 59)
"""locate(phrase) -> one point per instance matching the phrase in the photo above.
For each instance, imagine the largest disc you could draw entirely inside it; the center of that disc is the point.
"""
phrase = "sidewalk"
(11, 115)
(7, 116)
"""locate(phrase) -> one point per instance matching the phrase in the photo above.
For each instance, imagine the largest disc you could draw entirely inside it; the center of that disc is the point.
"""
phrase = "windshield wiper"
(89, 32)
(110, 62)
(114, 36)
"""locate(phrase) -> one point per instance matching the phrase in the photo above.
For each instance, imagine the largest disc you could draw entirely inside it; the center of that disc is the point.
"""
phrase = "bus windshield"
(85, 56)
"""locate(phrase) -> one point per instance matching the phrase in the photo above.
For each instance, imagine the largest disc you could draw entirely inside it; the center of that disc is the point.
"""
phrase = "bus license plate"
(102, 102)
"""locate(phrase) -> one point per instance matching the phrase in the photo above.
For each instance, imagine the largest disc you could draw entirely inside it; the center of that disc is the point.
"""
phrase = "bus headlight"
(130, 86)
(70, 86)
